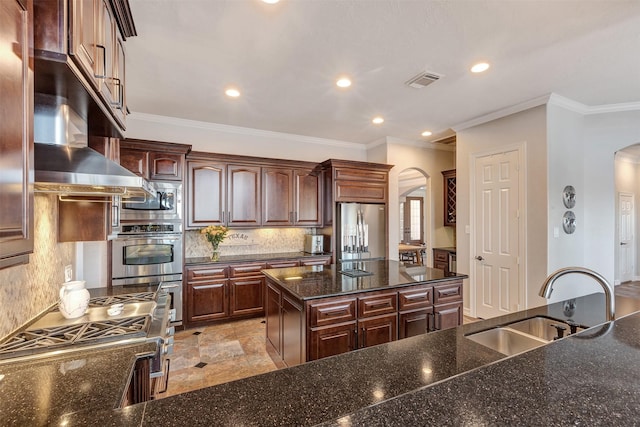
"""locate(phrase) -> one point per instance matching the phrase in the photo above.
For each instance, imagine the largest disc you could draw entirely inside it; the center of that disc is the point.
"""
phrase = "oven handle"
(148, 237)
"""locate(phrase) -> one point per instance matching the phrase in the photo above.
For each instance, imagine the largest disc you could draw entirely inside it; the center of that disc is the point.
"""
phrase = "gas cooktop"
(53, 332)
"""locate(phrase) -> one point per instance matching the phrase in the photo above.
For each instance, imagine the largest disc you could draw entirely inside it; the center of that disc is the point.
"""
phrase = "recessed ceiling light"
(427, 133)
(270, 1)
(480, 67)
(343, 82)
(232, 92)
(377, 120)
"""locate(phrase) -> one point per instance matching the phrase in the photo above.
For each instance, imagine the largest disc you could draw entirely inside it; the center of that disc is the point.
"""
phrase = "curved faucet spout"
(547, 286)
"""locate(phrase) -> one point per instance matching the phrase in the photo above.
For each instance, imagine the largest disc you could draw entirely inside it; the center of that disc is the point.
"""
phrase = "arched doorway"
(415, 208)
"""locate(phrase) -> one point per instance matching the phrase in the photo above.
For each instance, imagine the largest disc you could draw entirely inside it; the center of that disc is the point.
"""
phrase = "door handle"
(623, 244)
(479, 258)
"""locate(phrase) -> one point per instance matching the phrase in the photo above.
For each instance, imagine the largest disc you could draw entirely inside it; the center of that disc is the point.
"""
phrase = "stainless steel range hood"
(64, 163)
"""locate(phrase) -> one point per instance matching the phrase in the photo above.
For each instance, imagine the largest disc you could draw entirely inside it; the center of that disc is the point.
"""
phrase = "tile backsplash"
(27, 290)
(244, 242)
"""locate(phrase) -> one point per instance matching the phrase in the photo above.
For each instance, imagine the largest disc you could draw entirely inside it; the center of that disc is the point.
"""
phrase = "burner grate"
(45, 339)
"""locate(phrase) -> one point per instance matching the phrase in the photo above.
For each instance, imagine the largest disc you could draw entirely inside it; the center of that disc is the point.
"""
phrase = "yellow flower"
(215, 233)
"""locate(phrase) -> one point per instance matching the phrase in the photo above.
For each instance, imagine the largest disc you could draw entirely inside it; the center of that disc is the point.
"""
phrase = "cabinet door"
(378, 330)
(415, 322)
(165, 166)
(247, 295)
(83, 18)
(331, 340)
(207, 300)
(243, 204)
(277, 196)
(206, 192)
(292, 328)
(106, 43)
(16, 132)
(448, 315)
(272, 317)
(119, 107)
(137, 161)
(307, 198)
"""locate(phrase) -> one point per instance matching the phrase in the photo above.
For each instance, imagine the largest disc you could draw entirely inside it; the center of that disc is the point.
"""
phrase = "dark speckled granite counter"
(322, 281)
(432, 379)
(252, 258)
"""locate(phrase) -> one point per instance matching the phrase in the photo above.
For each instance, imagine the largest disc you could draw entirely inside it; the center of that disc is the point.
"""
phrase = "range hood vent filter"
(423, 79)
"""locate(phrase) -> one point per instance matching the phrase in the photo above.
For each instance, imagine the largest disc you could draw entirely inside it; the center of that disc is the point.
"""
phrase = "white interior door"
(497, 234)
(626, 251)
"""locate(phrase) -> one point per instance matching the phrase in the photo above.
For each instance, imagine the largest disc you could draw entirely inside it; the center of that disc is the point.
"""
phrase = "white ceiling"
(286, 57)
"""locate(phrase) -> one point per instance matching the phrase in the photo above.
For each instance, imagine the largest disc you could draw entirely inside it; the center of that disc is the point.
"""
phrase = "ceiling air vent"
(423, 79)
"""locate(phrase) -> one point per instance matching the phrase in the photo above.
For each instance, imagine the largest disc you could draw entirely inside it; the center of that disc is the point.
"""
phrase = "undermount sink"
(524, 335)
(545, 327)
(507, 341)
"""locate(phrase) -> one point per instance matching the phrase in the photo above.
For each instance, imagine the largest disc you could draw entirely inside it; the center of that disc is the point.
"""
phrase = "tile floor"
(230, 351)
(217, 354)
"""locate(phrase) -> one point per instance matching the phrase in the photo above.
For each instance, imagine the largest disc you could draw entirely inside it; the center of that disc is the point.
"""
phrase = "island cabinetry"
(338, 324)
(284, 318)
(415, 307)
(448, 310)
(16, 132)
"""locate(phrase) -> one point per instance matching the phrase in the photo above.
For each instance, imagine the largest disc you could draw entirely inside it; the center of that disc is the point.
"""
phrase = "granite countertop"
(436, 378)
(322, 281)
(228, 259)
(48, 391)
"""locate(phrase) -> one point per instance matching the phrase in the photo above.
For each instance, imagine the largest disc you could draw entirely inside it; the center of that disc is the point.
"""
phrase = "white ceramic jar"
(74, 299)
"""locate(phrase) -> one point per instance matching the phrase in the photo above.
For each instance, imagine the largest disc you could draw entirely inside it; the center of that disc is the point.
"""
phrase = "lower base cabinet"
(247, 296)
(301, 331)
(207, 301)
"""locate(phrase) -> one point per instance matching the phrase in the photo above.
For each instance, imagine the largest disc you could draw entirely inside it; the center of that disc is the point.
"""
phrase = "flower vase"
(215, 256)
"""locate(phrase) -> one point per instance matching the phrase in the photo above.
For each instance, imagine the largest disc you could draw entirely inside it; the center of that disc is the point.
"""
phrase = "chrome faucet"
(547, 286)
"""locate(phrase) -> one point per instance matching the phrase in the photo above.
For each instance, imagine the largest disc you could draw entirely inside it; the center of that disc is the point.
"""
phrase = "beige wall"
(431, 163)
(27, 290)
(527, 128)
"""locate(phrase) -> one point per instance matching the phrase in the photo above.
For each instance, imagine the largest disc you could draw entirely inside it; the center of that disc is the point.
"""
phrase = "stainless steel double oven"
(149, 246)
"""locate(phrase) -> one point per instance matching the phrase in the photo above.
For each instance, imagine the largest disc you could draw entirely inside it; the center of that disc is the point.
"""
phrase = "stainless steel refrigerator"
(362, 230)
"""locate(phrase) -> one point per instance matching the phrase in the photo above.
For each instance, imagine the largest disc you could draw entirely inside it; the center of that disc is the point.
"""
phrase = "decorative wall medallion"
(569, 222)
(569, 196)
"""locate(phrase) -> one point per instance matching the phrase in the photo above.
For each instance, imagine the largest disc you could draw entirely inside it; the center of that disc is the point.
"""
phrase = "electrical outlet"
(68, 273)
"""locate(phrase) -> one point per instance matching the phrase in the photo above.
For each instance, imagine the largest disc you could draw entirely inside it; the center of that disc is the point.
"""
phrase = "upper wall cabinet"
(156, 161)
(242, 191)
(16, 132)
(84, 61)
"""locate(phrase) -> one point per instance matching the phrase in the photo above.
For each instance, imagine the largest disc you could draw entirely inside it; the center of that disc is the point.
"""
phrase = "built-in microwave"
(165, 206)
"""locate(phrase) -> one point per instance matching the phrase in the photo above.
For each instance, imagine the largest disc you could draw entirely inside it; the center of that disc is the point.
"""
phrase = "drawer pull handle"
(336, 311)
(413, 297)
(449, 292)
(378, 305)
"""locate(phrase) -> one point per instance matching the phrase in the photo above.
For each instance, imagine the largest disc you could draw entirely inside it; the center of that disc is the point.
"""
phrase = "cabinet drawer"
(283, 264)
(440, 265)
(245, 270)
(326, 313)
(413, 298)
(440, 256)
(353, 174)
(447, 293)
(360, 192)
(377, 304)
(204, 273)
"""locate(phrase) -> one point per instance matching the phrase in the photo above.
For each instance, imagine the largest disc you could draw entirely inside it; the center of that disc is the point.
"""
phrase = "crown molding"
(549, 99)
(239, 130)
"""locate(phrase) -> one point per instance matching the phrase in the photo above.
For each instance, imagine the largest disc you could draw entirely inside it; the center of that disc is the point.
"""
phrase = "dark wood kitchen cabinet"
(16, 132)
(207, 291)
(283, 318)
(152, 160)
(243, 195)
(290, 197)
(247, 286)
(335, 325)
(80, 53)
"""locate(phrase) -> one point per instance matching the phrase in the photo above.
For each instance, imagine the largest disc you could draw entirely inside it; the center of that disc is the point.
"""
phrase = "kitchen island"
(321, 311)
(436, 378)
